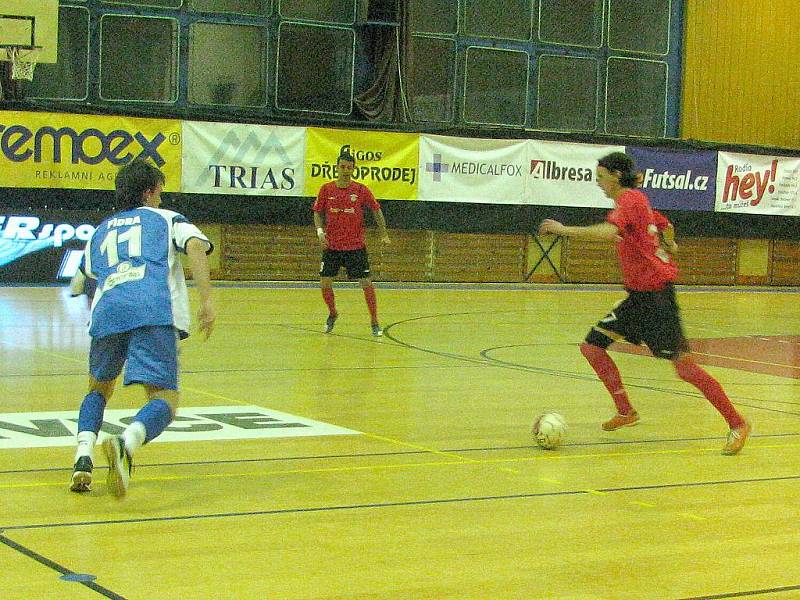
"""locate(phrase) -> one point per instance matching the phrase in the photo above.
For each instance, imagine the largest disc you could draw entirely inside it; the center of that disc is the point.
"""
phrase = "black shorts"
(650, 317)
(355, 261)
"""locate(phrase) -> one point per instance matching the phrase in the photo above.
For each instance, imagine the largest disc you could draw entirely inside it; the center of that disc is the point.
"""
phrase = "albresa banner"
(231, 158)
(456, 169)
(676, 179)
(55, 150)
(385, 162)
(563, 174)
(751, 183)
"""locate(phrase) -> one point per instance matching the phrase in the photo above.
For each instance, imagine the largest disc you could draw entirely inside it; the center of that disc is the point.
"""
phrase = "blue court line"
(43, 560)
(373, 505)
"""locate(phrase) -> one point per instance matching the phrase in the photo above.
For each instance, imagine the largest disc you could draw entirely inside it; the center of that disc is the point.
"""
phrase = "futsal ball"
(549, 430)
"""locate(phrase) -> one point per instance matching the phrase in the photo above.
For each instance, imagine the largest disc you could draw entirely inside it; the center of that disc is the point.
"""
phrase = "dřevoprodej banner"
(60, 150)
(385, 162)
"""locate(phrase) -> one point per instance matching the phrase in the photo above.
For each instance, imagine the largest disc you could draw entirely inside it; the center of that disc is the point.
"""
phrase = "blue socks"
(155, 416)
(90, 417)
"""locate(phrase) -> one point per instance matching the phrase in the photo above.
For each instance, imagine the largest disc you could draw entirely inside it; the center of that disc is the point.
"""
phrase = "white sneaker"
(119, 465)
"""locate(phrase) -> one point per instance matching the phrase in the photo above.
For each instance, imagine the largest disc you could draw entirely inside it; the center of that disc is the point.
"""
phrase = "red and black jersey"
(645, 265)
(344, 213)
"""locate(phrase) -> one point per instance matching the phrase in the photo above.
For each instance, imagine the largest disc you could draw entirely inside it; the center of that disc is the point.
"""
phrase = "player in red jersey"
(650, 312)
(342, 238)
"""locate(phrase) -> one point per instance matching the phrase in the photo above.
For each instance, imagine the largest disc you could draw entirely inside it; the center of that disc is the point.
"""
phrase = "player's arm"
(198, 261)
(318, 225)
(380, 221)
(600, 231)
(666, 232)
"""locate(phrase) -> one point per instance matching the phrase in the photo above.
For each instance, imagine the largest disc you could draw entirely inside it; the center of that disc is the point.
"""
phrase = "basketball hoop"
(21, 68)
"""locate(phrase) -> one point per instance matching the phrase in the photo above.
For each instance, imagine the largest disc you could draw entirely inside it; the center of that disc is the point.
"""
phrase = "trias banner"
(454, 169)
(228, 158)
(751, 183)
(385, 162)
(677, 179)
(55, 150)
(563, 174)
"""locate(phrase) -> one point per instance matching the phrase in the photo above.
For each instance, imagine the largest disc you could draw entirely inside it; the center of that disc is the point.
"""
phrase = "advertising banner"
(41, 247)
(55, 150)
(385, 162)
(488, 171)
(756, 184)
(563, 174)
(677, 179)
(228, 158)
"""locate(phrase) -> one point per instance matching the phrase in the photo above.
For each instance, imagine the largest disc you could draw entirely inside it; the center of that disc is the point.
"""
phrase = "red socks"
(609, 374)
(690, 372)
(369, 296)
(372, 303)
(327, 295)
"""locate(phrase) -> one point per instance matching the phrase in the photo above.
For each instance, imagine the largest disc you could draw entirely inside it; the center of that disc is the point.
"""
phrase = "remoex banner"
(756, 184)
(55, 150)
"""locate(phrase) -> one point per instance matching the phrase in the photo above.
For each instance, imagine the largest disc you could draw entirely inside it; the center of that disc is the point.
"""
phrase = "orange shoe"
(619, 420)
(736, 439)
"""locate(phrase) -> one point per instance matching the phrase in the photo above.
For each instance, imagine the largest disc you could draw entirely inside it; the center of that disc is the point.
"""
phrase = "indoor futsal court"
(306, 465)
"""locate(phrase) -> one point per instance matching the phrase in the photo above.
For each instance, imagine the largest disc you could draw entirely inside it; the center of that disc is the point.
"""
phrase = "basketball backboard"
(32, 25)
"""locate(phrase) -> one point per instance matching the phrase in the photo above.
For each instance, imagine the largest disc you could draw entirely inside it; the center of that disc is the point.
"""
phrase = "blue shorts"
(151, 354)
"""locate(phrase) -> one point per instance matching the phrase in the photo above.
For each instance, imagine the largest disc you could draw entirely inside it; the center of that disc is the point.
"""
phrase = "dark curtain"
(385, 99)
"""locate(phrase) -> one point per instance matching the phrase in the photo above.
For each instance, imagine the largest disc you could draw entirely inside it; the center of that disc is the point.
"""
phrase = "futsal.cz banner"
(677, 179)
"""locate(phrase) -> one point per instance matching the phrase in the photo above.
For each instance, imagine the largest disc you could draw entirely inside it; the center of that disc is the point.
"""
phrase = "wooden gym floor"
(434, 489)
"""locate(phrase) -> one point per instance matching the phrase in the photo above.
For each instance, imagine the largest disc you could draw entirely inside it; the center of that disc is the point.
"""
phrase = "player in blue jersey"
(139, 311)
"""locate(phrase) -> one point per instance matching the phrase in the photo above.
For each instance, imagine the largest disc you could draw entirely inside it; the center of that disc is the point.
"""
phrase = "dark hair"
(345, 155)
(622, 164)
(133, 180)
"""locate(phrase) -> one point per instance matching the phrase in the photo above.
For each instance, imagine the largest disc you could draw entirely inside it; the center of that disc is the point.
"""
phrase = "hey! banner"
(752, 183)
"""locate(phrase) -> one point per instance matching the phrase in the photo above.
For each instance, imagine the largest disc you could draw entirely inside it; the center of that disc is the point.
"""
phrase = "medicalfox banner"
(385, 162)
(230, 158)
(490, 171)
(756, 184)
(57, 150)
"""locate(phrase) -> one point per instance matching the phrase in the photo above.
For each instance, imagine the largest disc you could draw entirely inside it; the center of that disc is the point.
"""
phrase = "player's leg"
(106, 358)
(358, 268)
(670, 342)
(615, 326)
(331, 263)
(152, 362)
